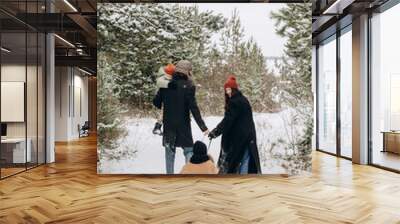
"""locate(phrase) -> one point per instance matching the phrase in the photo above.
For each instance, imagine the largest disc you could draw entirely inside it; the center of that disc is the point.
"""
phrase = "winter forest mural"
(137, 41)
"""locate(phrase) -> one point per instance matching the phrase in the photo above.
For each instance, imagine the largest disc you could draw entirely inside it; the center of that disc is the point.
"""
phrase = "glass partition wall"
(334, 93)
(13, 86)
(385, 89)
(22, 78)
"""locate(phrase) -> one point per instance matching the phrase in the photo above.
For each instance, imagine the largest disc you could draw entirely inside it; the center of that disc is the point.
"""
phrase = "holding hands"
(212, 134)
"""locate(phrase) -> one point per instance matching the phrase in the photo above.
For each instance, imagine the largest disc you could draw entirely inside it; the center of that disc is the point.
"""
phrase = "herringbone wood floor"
(70, 191)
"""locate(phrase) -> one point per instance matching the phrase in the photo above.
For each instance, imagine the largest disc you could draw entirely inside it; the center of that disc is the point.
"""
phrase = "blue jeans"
(170, 157)
(244, 164)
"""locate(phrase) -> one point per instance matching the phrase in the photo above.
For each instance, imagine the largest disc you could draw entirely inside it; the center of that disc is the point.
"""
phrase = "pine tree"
(294, 23)
(139, 38)
(109, 125)
(245, 60)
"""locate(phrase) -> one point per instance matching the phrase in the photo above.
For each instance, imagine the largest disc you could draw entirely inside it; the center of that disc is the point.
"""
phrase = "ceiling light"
(5, 50)
(79, 51)
(70, 5)
(64, 40)
(338, 6)
(331, 7)
(84, 71)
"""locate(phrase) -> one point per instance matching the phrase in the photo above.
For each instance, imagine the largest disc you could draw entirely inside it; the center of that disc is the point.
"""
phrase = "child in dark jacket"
(201, 162)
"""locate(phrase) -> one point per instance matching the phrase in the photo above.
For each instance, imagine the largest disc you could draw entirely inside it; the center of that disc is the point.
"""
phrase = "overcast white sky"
(256, 21)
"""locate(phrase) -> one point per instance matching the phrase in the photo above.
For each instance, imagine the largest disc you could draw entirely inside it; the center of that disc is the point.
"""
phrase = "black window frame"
(339, 32)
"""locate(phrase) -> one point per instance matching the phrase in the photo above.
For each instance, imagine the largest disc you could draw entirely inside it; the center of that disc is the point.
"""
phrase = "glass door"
(385, 89)
(327, 95)
(346, 92)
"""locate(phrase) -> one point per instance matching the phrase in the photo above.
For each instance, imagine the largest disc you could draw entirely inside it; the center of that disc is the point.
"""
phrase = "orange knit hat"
(169, 69)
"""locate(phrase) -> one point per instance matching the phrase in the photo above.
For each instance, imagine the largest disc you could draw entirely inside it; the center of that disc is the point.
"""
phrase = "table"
(13, 150)
(391, 141)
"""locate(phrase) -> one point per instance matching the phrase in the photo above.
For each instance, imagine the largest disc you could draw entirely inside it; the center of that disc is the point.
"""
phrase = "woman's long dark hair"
(234, 92)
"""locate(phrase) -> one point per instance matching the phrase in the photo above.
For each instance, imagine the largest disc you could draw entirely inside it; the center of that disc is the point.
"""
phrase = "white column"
(314, 91)
(360, 90)
(50, 99)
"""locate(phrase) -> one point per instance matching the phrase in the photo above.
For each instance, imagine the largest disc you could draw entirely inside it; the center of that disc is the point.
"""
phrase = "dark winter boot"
(157, 128)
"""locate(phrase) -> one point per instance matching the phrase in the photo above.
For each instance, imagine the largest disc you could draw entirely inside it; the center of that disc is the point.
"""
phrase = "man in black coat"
(177, 101)
(239, 152)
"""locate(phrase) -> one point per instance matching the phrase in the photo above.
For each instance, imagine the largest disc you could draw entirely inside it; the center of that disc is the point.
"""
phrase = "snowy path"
(149, 158)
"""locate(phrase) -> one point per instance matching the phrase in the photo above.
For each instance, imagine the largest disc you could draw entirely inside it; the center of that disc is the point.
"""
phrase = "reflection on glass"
(386, 89)
(22, 90)
(346, 94)
(14, 153)
(31, 100)
(395, 102)
(327, 96)
(41, 98)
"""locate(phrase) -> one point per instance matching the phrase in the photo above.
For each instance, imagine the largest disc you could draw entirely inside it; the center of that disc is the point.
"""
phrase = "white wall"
(62, 81)
(17, 73)
(33, 126)
(79, 117)
(14, 72)
(70, 83)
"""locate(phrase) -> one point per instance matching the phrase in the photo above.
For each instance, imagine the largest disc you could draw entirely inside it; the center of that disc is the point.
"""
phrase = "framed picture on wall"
(201, 88)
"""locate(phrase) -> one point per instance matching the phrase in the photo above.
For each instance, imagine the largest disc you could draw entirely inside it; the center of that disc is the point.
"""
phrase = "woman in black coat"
(239, 153)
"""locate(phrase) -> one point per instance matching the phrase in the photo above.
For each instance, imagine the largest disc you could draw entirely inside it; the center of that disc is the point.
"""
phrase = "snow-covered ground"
(150, 156)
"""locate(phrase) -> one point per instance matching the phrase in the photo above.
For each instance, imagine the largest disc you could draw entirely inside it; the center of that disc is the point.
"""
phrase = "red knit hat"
(231, 82)
(169, 69)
